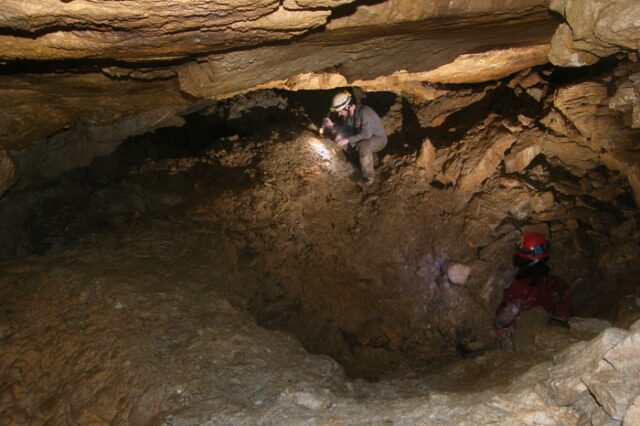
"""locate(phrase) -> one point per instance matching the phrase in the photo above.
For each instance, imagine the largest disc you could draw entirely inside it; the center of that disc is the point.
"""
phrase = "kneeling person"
(535, 285)
(360, 128)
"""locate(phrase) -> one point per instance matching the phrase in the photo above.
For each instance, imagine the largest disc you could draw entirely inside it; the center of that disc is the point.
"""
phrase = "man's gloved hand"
(342, 143)
(326, 122)
(502, 333)
(504, 339)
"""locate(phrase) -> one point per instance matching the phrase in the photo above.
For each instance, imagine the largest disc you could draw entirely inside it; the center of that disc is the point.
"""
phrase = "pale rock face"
(458, 273)
(475, 172)
(627, 99)
(487, 66)
(542, 202)
(586, 107)
(523, 152)
(563, 50)
(613, 391)
(396, 11)
(475, 158)
(632, 417)
(594, 29)
(627, 94)
(589, 326)
(313, 4)
(426, 158)
(625, 357)
(565, 387)
(601, 136)
(68, 101)
(146, 30)
(556, 122)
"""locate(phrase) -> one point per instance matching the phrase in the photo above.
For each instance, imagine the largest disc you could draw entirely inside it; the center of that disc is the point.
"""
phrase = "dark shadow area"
(350, 9)
(79, 66)
(51, 213)
(410, 136)
(574, 75)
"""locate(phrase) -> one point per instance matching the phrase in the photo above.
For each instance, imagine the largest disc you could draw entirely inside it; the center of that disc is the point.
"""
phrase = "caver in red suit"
(534, 286)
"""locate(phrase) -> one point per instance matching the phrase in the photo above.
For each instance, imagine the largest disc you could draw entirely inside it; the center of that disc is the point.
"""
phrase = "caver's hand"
(326, 122)
(502, 333)
(342, 143)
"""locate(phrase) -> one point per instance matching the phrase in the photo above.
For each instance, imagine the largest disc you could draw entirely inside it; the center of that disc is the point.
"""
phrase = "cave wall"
(94, 73)
(395, 277)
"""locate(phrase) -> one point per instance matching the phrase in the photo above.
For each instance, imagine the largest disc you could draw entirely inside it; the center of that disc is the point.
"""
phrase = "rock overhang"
(87, 63)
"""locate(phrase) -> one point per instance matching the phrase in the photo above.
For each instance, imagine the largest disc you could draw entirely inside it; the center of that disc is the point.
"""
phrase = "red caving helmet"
(533, 246)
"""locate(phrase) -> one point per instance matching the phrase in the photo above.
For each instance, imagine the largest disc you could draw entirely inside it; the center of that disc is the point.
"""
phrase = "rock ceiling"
(84, 66)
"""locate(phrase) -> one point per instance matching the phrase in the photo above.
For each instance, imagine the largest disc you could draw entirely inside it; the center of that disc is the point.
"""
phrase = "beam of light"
(321, 149)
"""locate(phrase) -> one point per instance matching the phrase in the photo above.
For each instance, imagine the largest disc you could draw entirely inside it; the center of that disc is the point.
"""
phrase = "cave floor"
(131, 327)
(153, 320)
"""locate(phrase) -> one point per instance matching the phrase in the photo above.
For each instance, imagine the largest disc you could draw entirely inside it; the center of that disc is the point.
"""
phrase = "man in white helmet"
(360, 129)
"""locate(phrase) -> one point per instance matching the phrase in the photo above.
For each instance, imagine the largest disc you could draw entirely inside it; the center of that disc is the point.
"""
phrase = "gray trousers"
(366, 148)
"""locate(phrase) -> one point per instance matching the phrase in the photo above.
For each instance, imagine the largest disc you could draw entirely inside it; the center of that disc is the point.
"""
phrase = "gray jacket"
(364, 124)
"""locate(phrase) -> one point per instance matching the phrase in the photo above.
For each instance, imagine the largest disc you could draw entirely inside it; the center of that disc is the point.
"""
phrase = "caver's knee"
(368, 146)
(364, 148)
(365, 153)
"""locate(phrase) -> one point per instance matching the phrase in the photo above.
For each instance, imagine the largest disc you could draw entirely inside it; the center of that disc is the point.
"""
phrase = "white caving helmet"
(341, 100)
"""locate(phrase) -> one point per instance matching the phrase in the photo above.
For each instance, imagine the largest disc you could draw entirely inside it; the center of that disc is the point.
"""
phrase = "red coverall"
(547, 290)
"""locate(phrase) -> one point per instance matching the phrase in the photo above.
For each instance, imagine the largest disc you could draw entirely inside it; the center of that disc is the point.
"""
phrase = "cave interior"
(181, 244)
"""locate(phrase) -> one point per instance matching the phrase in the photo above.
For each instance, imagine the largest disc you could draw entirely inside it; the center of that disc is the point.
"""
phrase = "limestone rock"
(436, 111)
(635, 123)
(613, 390)
(589, 326)
(489, 65)
(542, 202)
(594, 30)
(574, 157)
(625, 356)
(476, 157)
(396, 11)
(599, 417)
(458, 273)
(583, 104)
(627, 163)
(527, 148)
(474, 174)
(565, 385)
(556, 122)
(632, 417)
(151, 30)
(628, 311)
(565, 51)
(62, 102)
(210, 49)
(525, 121)
(627, 95)
(313, 4)
(627, 99)
(426, 158)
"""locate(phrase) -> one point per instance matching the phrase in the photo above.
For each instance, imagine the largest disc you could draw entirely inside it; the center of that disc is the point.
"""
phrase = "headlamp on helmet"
(533, 246)
(341, 100)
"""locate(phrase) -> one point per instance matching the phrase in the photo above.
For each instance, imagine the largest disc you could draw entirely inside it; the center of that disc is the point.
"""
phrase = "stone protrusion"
(594, 30)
